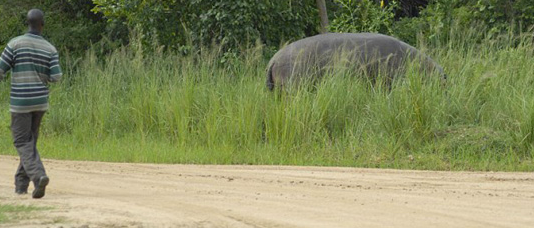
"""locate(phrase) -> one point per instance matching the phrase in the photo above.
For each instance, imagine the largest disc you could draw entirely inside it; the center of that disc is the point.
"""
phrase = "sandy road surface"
(92, 194)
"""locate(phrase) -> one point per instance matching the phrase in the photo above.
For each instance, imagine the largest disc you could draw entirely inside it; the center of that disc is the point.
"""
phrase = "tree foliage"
(492, 17)
(364, 16)
(435, 20)
(74, 25)
(175, 23)
(69, 24)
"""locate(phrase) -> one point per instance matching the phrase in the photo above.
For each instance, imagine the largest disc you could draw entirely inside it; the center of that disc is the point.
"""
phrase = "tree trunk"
(321, 5)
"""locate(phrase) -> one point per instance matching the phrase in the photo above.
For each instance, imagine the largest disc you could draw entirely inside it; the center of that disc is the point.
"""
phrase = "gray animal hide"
(369, 53)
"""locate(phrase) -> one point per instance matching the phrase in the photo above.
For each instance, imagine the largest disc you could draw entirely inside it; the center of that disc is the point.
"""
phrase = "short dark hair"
(35, 18)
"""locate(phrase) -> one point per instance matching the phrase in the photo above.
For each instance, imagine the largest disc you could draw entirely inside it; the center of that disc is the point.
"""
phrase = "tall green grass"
(168, 108)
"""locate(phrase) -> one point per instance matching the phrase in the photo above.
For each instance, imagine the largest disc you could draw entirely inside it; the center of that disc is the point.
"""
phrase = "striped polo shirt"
(34, 63)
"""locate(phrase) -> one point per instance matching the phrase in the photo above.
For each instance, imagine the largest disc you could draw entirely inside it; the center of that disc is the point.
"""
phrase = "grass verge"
(10, 213)
(168, 108)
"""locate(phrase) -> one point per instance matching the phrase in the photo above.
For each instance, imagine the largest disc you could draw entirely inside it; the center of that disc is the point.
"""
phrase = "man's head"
(35, 20)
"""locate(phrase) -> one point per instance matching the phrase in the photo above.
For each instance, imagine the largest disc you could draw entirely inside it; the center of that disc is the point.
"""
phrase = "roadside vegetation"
(173, 108)
(184, 82)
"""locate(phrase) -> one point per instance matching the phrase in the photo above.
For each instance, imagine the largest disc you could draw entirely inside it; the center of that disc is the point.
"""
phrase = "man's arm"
(55, 69)
(6, 61)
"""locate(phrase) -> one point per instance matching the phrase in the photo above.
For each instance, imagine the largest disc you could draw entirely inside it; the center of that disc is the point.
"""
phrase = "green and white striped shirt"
(34, 63)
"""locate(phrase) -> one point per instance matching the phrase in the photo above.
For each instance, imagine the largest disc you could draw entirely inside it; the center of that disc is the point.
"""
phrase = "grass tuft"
(10, 212)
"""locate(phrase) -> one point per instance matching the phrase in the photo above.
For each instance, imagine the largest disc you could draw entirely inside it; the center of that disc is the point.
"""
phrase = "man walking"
(34, 63)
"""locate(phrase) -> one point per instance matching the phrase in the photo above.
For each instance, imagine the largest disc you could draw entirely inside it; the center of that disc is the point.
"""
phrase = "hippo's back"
(364, 50)
(365, 44)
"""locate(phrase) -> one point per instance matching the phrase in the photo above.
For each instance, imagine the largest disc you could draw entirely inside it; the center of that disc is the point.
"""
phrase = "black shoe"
(40, 187)
(21, 191)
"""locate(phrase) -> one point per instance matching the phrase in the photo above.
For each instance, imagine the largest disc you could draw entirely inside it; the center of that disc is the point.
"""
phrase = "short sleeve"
(55, 68)
(6, 61)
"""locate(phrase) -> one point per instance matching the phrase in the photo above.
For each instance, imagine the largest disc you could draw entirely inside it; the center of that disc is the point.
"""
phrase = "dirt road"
(93, 194)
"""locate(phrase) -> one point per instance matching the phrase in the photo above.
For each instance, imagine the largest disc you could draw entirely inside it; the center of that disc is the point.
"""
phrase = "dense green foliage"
(172, 108)
(491, 17)
(182, 24)
(436, 19)
(364, 16)
(170, 104)
(70, 24)
(231, 24)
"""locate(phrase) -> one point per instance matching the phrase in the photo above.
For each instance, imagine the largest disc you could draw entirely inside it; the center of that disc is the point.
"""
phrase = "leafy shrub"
(70, 25)
(490, 17)
(231, 24)
(363, 16)
(436, 20)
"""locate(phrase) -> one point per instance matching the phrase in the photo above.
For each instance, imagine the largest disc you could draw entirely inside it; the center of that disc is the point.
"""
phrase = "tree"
(321, 5)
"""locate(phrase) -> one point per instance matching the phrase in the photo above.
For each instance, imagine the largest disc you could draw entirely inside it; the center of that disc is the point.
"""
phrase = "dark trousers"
(25, 129)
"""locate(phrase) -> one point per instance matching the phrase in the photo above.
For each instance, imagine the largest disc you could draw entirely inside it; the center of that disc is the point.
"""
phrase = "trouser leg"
(25, 129)
(22, 180)
(36, 124)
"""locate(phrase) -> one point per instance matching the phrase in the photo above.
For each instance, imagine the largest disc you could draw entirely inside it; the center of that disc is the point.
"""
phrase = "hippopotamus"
(370, 54)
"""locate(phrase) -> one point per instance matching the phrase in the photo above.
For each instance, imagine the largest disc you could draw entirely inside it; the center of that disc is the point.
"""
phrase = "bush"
(363, 16)
(436, 20)
(70, 25)
(491, 17)
(230, 24)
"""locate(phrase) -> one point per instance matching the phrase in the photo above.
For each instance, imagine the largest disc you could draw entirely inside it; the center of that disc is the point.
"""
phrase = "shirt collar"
(34, 33)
